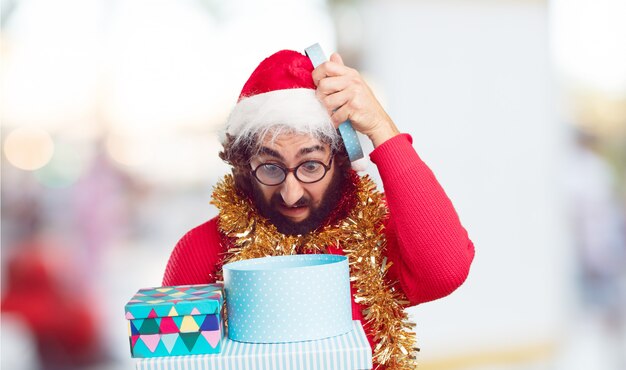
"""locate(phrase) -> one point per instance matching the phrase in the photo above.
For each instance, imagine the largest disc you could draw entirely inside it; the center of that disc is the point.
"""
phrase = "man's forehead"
(292, 145)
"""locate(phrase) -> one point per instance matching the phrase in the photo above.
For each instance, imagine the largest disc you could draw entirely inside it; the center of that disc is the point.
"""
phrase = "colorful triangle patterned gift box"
(176, 320)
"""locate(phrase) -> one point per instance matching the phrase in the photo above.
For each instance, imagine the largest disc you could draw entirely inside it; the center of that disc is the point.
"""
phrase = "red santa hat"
(279, 97)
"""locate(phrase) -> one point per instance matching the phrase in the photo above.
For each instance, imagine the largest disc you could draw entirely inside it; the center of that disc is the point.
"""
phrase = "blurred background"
(110, 112)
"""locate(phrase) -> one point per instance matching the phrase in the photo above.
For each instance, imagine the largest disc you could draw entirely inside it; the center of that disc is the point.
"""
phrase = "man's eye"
(271, 169)
(311, 166)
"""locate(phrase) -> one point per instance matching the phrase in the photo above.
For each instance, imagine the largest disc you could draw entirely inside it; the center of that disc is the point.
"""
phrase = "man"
(293, 191)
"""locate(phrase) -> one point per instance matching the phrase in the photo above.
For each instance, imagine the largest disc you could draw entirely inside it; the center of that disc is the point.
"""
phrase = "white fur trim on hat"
(296, 109)
(360, 165)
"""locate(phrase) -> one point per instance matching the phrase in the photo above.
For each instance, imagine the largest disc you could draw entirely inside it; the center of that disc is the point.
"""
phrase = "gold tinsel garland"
(362, 238)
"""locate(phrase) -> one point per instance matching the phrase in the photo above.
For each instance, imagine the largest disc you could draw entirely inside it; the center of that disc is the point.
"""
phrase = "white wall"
(471, 81)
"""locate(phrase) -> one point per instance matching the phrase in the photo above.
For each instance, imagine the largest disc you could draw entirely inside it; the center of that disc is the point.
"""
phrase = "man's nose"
(291, 190)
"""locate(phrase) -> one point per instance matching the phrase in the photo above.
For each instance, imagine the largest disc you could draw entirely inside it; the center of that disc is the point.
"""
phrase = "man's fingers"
(340, 115)
(335, 57)
(331, 85)
(335, 101)
(332, 68)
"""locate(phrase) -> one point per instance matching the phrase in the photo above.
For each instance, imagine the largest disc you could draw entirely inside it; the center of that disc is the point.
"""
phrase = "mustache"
(277, 199)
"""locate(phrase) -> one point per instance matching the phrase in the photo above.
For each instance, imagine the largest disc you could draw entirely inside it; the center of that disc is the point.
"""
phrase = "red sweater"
(429, 248)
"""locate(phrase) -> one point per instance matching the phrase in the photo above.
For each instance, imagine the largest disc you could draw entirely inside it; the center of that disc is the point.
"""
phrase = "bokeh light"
(588, 43)
(128, 150)
(28, 148)
(66, 165)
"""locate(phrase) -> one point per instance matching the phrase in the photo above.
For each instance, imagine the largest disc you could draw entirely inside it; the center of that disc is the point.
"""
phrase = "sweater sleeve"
(195, 257)
(430, 250)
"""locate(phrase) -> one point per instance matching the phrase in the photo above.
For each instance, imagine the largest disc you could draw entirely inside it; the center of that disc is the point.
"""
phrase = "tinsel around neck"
(361, 237)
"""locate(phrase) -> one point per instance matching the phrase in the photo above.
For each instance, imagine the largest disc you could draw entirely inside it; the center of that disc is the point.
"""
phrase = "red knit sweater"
(430, 250)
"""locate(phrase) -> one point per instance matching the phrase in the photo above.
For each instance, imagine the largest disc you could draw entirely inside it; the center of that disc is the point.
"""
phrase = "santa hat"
(280, 97)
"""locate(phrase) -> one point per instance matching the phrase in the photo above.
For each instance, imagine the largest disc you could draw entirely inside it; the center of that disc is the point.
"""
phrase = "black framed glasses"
(307, 172)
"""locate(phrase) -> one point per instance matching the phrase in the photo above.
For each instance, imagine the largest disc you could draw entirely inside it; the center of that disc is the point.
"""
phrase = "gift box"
(288, 298)
(177, 320)
(344, 352)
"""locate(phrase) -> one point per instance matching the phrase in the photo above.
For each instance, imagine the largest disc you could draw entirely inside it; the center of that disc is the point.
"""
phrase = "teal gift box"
(176, 320)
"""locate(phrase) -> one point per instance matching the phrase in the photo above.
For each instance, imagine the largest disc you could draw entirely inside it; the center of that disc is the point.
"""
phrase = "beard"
(317, 216)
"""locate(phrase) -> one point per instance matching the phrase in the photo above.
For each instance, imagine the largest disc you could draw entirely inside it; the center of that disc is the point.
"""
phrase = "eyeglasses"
(272, 174)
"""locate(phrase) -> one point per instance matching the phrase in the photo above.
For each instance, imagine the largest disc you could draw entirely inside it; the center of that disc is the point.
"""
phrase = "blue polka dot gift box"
(288, 298)
(176, 320)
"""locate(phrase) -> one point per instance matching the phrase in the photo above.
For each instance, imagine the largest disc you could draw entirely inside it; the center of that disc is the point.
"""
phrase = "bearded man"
(292, 190)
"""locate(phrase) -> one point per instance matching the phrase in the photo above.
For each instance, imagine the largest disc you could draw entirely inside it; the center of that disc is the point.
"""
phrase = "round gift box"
(288, 298)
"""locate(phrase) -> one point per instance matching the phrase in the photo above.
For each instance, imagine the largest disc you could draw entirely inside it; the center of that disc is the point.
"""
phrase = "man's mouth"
(293, 211)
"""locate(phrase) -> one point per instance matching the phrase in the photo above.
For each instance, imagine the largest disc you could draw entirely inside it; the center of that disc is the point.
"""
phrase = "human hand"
(346, 95)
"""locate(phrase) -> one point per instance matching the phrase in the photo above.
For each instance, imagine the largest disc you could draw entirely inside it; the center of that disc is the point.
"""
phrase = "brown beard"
(318, 215)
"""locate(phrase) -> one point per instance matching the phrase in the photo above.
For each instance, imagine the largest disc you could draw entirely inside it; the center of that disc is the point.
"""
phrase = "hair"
(238, 151)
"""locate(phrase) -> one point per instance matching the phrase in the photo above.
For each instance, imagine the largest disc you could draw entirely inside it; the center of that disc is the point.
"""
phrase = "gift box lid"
(179, 300)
